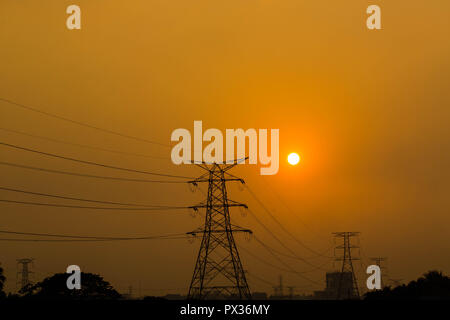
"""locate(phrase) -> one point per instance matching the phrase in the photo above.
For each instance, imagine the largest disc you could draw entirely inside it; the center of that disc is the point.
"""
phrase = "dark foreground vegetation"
(433, 285)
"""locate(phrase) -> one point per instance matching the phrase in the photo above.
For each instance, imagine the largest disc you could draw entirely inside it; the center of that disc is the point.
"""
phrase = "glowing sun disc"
(293, 158)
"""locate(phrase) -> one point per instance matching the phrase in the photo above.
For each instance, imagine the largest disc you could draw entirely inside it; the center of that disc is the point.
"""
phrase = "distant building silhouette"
(333, 280)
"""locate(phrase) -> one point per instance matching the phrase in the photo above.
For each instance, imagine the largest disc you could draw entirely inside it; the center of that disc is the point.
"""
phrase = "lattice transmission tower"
(23, 272)
(218, 271)
(380, 262)
(347, 284)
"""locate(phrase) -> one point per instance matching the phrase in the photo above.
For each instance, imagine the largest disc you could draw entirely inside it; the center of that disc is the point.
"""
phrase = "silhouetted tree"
(432, 285)
(92, 287)
(2, 283)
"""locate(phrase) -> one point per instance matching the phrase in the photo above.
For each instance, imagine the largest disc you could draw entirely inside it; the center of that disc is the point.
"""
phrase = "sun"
(293, 158)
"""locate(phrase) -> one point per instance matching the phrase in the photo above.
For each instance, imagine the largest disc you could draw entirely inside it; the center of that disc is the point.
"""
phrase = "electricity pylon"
(279, 289)
(218, 271)
(347, 290)
(24, 273)
(379, 262)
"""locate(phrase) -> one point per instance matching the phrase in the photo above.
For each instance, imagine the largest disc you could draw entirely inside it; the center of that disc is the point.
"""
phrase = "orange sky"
(367, 111)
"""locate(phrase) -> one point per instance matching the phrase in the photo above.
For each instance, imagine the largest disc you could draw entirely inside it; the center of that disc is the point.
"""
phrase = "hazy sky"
(368, 111)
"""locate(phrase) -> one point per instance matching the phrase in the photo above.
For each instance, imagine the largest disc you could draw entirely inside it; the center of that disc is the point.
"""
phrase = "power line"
(262, 260)
(90, 162)
(281, 242)
(27, 107)
(86, 175)
(80, 199)
(83, 145)
(90, 237)
(273, 191)
(88, 207)
(287, 265)
(271, 284)
(289, 269)
(272, 251)
(86, 240)
(281, 225)
(295, 257)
